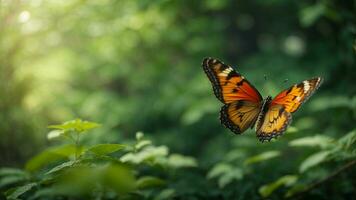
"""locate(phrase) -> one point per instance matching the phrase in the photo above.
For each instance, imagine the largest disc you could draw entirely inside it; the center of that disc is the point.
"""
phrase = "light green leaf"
(286, 181)
(148, 153)
(262, 157)
(61, 166)
(219, 169)
(347, 141)
(12, 171)
(77, 125)
(104, 149)
(15, 194)
(235, 155)
(321, 141)
(142, 143)
(311, 14)
(313, 160)
(226, 178)
(178, 161)
(139, 135)
(149, 182)
(165, 194)
(55, 134)
(292, 129)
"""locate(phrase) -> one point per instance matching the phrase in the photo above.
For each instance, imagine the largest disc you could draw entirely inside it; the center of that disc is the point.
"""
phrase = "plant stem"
(324, 180)
(76, 146)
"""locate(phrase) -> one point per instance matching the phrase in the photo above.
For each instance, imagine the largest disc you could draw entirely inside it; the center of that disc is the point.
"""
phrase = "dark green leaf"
(149, 182)
(103, 149)
(15, 194)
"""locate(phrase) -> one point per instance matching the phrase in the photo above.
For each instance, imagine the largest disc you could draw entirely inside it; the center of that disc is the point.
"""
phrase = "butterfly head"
(265, 104)
(267, 99)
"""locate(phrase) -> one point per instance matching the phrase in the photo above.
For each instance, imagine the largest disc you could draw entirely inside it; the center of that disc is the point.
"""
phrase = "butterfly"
(244, 106)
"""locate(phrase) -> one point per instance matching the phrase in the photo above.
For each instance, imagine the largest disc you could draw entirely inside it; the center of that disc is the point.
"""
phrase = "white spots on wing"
(298, 98)
(226, 72)
(306, 86)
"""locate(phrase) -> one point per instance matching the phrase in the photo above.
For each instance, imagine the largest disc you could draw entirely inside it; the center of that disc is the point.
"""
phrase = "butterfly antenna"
(285, 80)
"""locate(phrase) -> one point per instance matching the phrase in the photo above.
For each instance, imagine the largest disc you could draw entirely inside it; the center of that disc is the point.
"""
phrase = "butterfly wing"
(276, 119)
(242, 100)
(296, 95)
(228, 84)
(273, 123)
(239, 115)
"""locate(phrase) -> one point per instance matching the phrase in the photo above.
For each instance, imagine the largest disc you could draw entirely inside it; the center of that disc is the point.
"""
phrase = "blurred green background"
(136, 66)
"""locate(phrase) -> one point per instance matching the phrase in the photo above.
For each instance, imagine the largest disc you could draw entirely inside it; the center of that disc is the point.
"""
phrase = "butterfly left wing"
(228, 84)
(239, 115)
(242, 100)
(278, 112)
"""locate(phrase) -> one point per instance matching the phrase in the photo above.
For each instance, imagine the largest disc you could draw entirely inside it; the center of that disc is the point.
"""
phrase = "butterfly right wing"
(278, 115)
(273, 123)
(239, 115)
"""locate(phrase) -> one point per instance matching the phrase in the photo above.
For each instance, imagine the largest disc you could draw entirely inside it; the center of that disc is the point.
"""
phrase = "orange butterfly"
(244, 106)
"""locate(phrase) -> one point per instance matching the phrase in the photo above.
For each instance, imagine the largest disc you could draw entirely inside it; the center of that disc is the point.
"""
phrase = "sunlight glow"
(24, 16)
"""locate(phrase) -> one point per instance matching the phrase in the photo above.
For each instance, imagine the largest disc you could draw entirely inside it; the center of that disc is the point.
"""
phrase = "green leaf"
(262, 157)
(226, 178)
(47, 192)
(311, 14)
(82, 180)
(142, 144)
(50, 155)
(55, 134)
(347, 141)
(15, 194)
(321, 141)
(148, 153)
(61, 167)
(9, 180)
(313, 160)
(165, 194)
(12, 171)
(286, 181)
(139, 135)
(178, 161)
(292, 129)
(149, 182)
(295, 189)
(118, 177)
(104, 149)
(219, 169)
(77, 125)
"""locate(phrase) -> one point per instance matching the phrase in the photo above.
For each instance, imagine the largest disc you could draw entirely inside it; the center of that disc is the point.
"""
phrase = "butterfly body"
(244, 106)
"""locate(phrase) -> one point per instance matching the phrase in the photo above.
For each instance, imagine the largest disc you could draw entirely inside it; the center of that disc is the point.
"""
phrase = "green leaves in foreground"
(286, 181)
(110, 170)
(227, 171)
(262, 157)
(328, 149)
(78, 126)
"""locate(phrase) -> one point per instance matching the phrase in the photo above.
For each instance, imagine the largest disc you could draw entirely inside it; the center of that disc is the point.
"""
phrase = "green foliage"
(67, 171)
(262, 157)
(329, 150)
(135, 66)
(286, 180)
